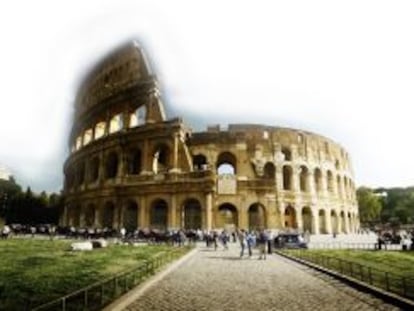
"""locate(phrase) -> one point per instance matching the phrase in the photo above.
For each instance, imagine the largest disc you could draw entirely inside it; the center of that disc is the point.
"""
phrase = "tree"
(369, 205)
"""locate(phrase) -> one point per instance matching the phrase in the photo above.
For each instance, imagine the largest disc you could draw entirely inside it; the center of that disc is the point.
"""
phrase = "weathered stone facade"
(131, 167)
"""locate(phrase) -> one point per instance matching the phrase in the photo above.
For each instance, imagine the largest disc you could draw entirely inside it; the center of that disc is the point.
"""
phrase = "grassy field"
(33, 272)
(390, 270)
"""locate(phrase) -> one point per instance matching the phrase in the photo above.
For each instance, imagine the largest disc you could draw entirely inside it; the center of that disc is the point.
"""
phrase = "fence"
(98, 295)
(391, 282)
(346, 245)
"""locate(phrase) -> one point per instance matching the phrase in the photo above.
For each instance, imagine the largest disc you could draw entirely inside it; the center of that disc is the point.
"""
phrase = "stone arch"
(307, 219)
(89, 216)
(343, 222)
(87, 136)
(226, 163)
(290, 217)
(334, 222)
(75, 213)
(199, 162)
(339, 185)
(304, 179)
(80, 173)
(159, 214)
(138, 117)
(192, 214)
(287, 177)
(287, 154)
(134, 162)
(161, 159)
(111, 165)
(227, 217)
(93, 169)
(322, 221)
(108, 215)
(330, 181)
(269, 170)
(257, 216)
(78, 142)
(99, 130)
(130, 217)
(318, 179)
(116, 123)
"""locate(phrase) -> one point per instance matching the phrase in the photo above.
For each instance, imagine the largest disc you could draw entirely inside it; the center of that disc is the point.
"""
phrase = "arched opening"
(290, 217)
(116, 123)
(227, 217)
(130, 217)
(330, 177)
(307, 219)
(161, 159)
(138, 117)
(334, 222)
(287, 177)
(199, 162)
(192, 214)
(226, 164)
(343, 225)
(257, 217)
(112, 165)
(318, 180)
(100, 130)
(351, 228)
(108, 213)
(322, 222)
(78, 143)
(304, 175)
(337, 167)
(90, 216)
(159, 215)
(94, 169)
(81, 173)
(287, 154)
(75, 216)
(338, 185)
(269, 170)
(134, 162)
(87, 136)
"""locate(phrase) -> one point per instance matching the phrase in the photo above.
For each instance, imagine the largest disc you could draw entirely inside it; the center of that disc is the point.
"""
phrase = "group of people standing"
(250, 239)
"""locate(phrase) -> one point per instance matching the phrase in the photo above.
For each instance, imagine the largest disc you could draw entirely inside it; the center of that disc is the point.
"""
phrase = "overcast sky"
(343, 69)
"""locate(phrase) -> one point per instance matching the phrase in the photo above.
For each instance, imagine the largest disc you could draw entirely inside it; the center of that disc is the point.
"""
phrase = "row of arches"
(113, 124)
(89, 171)
(192, 216)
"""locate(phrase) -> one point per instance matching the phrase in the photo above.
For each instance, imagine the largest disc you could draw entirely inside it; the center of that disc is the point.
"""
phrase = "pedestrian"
(243, 242)
(262, 241)
(250, 239)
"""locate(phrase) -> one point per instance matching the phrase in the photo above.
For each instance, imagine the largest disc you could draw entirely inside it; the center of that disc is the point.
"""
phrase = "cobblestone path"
(220, 280)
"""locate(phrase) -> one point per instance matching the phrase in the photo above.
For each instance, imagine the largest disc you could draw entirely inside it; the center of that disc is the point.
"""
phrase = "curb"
(122, 302)
(394, 299)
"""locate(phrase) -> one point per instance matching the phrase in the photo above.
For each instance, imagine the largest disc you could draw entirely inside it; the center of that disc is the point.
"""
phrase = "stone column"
(147, 159)
(143, 213)
(328, 221)
(324, 184)
(82, 217)
(295, 178)
(282, 214)
(209, 210)
(172, 215)
(97, 217)
(315, 220)
(279, 178)
(243, 223)
(175, 168)
(299, 219)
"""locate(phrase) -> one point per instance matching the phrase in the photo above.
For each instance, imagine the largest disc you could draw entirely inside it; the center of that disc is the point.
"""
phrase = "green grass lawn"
(37, 271)
(391, 270)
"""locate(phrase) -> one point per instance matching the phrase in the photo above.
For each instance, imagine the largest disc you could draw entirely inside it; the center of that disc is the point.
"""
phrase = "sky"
(342, 69)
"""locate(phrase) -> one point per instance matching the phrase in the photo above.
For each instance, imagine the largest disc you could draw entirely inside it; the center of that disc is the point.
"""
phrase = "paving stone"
(220, 280)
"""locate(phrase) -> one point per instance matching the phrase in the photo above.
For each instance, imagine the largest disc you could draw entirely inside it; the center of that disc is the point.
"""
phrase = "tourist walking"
(262, 242)
(243, 242)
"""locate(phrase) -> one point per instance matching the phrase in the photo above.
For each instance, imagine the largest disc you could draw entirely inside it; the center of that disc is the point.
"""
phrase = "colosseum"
(130, 166)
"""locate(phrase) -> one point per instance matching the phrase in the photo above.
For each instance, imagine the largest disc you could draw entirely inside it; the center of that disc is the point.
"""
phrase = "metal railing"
(389, 281)
(354, 245)
(100, 294)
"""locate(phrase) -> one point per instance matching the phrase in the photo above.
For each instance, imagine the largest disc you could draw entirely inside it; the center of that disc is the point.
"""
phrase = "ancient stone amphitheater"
(132, 167)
